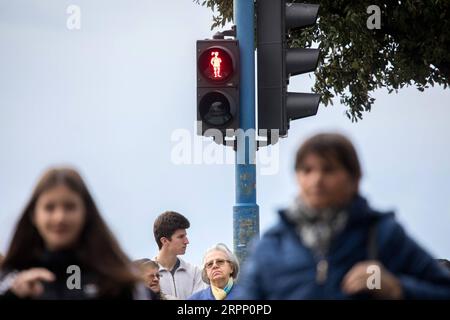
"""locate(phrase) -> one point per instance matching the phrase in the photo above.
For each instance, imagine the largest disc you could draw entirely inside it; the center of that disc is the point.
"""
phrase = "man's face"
(178, 242)
(325, 183)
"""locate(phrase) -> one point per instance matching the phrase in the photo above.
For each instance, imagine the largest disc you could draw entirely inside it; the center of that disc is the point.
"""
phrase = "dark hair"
(141, 261)
(444, 262)
(96, 248)
(144, 264)
(166, 225)
(330, 146)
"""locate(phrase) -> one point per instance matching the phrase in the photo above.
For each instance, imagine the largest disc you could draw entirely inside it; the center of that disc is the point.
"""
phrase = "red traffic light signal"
(216, 64)
(217, 86)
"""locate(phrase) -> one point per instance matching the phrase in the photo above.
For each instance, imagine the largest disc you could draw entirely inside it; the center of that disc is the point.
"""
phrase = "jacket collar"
(183, 265)
(358, 210)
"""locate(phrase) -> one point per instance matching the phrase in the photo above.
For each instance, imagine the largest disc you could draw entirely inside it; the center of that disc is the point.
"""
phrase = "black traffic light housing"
(276, 62)
(217, 87)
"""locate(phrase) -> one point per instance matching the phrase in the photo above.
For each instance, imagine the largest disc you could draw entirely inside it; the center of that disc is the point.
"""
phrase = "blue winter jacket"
(206, 294)
(281, 267)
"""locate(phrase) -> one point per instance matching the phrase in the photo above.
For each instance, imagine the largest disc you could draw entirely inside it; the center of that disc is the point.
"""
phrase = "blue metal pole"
(245, 211)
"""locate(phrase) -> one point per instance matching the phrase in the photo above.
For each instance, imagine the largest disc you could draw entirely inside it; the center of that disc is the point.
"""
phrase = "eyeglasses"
(154, 275)
(219, 263)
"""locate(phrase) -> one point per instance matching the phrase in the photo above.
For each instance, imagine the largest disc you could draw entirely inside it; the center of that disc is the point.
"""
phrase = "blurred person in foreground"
(330, 244)
(60, 233)
(220, 271)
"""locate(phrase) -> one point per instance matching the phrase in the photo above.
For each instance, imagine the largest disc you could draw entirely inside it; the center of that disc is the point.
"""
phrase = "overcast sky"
(108, 97)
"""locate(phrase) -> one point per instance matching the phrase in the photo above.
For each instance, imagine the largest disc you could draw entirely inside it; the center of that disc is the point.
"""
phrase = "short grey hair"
(230, 257)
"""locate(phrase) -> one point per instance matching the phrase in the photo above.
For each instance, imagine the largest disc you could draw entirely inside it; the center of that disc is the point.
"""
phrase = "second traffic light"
(217, 87)
(276, 62)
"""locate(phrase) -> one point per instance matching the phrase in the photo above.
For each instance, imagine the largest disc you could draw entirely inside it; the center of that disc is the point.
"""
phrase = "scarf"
(219, 293)
(316, 227)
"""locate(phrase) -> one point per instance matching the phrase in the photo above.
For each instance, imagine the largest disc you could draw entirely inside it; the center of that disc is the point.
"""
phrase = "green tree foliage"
(412, 48)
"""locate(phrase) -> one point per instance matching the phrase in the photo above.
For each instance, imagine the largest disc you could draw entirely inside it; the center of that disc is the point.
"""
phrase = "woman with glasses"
(149, 271)
(220, 271)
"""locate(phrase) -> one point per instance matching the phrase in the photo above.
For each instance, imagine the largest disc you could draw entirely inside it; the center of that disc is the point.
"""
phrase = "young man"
(178, 277)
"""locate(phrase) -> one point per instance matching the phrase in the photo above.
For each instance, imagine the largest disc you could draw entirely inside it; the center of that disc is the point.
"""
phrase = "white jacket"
(186, 280)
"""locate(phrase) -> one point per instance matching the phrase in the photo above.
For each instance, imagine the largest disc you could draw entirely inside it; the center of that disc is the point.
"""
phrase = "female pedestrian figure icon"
(216, 62)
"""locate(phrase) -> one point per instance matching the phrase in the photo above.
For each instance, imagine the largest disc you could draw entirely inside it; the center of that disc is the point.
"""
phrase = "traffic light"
(217, 86)
(277, 62)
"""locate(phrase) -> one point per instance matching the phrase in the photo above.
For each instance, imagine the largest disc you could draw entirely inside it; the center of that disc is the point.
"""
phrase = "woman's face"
(325, 183)
(218, 268)
(59, 217)
(151, 276)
